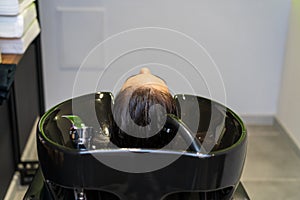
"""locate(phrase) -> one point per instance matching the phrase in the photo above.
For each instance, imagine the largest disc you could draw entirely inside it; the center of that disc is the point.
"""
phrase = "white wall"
(289, 107)
(246, 38)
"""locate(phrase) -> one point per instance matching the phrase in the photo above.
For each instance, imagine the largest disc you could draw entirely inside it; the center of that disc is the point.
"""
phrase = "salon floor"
(272, 169)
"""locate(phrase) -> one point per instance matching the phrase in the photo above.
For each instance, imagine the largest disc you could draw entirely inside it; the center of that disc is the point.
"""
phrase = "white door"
(69, 30)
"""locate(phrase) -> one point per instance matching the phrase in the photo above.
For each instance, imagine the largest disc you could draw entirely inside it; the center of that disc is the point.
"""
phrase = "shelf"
(11, 59)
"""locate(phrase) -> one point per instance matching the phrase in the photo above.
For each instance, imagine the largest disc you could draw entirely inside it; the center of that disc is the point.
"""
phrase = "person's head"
(140, 110)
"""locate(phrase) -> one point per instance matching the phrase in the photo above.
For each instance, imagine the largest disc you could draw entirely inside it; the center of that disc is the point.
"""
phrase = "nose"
(145, 70)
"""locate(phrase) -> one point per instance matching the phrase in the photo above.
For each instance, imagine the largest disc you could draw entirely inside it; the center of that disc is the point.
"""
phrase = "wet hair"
(139, 114)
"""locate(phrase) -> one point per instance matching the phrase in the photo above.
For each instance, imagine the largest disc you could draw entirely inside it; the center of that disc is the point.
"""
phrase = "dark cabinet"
(18, 113)
(26, 94)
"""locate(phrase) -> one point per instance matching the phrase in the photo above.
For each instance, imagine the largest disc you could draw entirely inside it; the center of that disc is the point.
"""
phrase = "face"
(145, 78)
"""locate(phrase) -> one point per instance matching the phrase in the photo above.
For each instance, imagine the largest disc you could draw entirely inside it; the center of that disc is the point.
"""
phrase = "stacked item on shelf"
(18, 25)
(13, 7)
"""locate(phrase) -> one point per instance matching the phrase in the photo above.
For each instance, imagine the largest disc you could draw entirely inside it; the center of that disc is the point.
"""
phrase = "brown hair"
(133, 113)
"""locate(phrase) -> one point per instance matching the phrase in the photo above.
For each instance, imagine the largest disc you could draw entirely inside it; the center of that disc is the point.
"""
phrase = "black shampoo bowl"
(74, 152)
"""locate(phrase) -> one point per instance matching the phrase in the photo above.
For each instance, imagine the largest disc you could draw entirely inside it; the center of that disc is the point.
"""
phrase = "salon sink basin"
(77, 158)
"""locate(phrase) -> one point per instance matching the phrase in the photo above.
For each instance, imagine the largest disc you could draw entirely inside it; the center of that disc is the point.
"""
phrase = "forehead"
(132, 76)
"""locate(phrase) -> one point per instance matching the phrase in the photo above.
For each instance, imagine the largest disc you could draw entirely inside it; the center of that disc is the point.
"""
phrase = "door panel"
(80, 29)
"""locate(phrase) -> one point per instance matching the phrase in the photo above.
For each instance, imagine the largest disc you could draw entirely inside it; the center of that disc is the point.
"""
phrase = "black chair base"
(40, 190)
